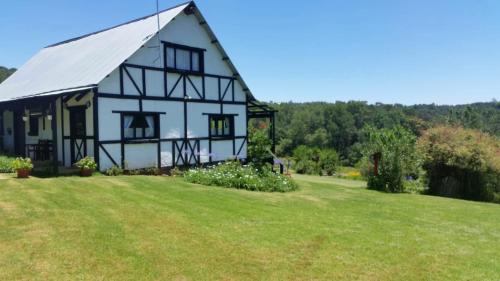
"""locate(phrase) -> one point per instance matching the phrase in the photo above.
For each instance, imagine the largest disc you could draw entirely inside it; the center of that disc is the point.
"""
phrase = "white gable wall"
(183, 30)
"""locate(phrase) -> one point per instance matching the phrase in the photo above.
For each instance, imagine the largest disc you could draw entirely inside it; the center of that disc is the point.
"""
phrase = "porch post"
(54, 136)
(95, 119)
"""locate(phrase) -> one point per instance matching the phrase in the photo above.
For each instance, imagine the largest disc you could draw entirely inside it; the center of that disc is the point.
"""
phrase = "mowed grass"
(160, 228)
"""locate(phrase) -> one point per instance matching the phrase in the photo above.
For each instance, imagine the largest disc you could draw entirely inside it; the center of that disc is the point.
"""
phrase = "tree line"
(340, 125)
(5, 73)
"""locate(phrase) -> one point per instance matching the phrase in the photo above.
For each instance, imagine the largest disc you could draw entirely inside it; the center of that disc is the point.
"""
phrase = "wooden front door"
(78, 133)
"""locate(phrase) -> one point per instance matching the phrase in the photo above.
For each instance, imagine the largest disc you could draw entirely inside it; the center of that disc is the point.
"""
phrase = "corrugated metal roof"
(83, 61)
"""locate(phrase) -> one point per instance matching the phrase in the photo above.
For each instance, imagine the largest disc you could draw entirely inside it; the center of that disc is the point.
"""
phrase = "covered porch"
(53, 131)
(260, 111)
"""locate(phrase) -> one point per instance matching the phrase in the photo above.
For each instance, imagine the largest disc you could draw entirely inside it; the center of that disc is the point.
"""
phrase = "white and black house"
(159, 91)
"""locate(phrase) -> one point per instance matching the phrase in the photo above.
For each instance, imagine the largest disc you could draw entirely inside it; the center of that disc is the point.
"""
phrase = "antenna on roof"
(158, 32)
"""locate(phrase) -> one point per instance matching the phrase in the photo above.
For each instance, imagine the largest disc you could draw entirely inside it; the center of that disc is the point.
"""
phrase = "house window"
(221, 125)
(33, 126)
(184, 58)
(140, 126)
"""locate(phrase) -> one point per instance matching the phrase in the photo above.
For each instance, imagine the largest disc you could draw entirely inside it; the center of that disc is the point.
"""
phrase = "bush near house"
(150, 171)
(461, 163)
(315, 161)
(114, 171)
(259, 146)
(6, 164)
(398, 157)
(234, 175)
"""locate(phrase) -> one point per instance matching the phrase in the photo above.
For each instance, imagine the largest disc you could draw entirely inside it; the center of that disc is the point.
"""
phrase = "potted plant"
(87, 166)
(23, 167)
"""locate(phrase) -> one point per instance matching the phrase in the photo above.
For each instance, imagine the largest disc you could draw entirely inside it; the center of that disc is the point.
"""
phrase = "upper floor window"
(221, 125)
(140, 126)
(183, 57)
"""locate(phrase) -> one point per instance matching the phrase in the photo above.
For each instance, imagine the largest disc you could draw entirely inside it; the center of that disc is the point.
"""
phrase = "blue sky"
(391, 51)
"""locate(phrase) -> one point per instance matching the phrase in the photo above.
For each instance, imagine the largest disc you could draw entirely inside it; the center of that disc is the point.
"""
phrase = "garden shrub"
(234, 175)
(6, 164)
(114, 171)
(303, 160)
(150, 171)
(315, 161)
(328, 161)
(461, 163)
(365, 167)
(176, 172)
(398, 159)
(259, 146)
(414, 186)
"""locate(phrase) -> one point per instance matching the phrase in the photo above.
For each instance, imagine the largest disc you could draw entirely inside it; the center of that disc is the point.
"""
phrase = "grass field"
(159, 228)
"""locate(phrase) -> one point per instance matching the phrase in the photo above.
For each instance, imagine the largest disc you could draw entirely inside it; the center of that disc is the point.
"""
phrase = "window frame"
(156, 120)
(217, 118)
(191, 50)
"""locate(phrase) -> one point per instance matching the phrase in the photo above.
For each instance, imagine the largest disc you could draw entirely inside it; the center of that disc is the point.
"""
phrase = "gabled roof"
(83, 62)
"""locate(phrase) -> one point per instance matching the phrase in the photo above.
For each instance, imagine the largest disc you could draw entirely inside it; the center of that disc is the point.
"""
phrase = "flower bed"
(235, 175)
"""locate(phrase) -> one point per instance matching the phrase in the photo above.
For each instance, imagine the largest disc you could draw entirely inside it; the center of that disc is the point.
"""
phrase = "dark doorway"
(78, 133)
(19, 133)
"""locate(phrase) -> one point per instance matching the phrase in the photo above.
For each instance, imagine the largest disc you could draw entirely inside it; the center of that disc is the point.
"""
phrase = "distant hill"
(6, 72)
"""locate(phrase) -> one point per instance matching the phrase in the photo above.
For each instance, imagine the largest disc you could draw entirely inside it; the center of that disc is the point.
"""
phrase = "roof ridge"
(116, 26)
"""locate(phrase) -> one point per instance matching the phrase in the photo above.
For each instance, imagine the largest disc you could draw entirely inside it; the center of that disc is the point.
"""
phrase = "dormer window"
(185, 58)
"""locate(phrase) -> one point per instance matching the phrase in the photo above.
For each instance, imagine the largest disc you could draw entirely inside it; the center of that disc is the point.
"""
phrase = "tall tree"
(5, 73)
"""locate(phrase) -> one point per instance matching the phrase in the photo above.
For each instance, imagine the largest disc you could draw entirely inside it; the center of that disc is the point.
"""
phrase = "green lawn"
(159, 228)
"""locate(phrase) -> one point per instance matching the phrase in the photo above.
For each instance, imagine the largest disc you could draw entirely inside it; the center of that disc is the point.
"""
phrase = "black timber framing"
(95, 119)
(224, 91)
(54, 135)
(124, 141)
(117, 141)
(77, 97)
(185, 79)
(101, 146)
(63, 142)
